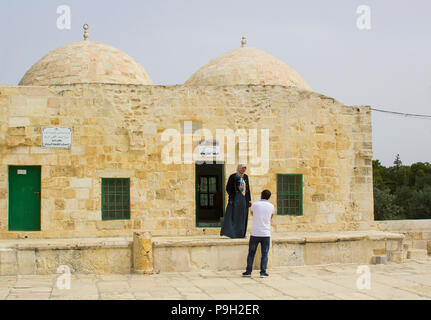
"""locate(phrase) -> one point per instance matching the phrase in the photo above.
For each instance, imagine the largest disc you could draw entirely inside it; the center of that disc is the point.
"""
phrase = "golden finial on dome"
(243, 42)
(86, 27)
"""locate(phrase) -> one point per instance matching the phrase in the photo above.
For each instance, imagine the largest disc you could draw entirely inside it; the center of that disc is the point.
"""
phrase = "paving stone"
(410, 280)
(380, 291)
(420, 290)
(353, 296)
(346, 281)
(30, 283)
(4, 292)
(266, 293)
(162, 293)
(76, 297)
(424, 279)
(123, 296)
(113, 286)
(85, 277)
(234, 296)
(28, 296)
(397, 282)
(77, 290)
(197, 296)
(324, 297)
(114, 277)
(29, 290)
(143, 296)
(285, 297)
(189, 290)
(295, 289)
(324, 286)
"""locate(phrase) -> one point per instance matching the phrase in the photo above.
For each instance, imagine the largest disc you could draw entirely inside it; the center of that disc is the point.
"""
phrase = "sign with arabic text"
(209, 148)
(57, 137)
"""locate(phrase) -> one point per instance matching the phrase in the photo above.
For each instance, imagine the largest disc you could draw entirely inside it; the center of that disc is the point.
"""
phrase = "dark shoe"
(264, 275)
(246, 274)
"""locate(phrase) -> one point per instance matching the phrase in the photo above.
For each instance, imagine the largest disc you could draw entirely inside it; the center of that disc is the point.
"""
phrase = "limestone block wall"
(45, 256)
(117, 132)
(417, 233)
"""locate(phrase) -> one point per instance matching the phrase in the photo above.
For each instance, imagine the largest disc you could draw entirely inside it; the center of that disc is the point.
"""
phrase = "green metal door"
(24, 198)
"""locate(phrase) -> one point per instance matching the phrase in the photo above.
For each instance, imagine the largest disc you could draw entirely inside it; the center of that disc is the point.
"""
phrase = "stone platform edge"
(285, 237)
(144, 253)
(193, 241)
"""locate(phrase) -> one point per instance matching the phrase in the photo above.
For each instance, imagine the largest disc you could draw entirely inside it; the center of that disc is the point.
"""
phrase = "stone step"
(417, 254)
(380, 259)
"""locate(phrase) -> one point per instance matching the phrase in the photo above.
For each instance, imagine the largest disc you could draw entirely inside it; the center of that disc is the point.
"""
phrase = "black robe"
(236, 217)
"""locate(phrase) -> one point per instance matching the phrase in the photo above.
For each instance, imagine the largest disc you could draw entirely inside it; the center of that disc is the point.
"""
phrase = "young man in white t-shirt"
(262, 212)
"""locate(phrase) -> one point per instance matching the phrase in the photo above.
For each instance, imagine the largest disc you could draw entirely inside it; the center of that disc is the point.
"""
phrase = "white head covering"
(240, 166)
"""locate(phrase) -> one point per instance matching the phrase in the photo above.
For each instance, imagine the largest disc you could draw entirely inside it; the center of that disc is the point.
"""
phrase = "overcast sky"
(387, 67)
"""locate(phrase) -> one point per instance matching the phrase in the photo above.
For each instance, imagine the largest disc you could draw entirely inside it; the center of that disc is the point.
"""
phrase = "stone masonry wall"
(117, 133)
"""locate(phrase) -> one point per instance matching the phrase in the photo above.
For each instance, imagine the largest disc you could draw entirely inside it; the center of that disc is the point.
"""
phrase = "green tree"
(378, 172)
(385, 207)
(397, 161)
(416, 203)
(402, 192)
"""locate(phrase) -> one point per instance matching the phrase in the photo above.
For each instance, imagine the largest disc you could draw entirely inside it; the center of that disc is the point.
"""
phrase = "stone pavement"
(409, 280)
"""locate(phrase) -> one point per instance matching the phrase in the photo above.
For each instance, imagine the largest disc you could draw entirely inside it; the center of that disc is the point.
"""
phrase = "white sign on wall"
(208, 148)
(57, 137)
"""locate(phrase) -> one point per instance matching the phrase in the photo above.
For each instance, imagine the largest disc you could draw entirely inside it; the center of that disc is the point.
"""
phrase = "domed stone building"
(247, 66)
(91, 149)
(86, 62)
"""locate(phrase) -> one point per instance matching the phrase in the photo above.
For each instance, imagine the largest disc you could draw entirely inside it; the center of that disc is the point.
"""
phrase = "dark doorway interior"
(209, 194)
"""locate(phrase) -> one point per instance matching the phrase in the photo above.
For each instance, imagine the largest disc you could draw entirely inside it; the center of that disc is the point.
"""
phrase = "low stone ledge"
(404, 225)
(291, 239)
(276, 238)
(193, 242)
(321, 238)
(354, 237)
(75, 247)
(67, 244)
(385, 236)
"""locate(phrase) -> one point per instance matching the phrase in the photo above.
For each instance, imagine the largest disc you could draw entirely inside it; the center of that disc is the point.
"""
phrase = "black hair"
(266, 194)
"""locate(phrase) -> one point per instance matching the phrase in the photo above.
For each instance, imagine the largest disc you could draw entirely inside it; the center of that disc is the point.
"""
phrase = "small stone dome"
(247, 66)
(86, 62)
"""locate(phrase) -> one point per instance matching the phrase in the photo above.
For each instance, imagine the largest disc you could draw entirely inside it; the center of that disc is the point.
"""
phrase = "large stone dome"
(86, 62)
(247, 66)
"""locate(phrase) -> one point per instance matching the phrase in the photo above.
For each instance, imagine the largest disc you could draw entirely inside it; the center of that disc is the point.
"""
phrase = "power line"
(418, 116)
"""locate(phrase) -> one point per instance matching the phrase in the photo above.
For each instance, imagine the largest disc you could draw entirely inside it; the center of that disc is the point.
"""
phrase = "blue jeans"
(252, 247)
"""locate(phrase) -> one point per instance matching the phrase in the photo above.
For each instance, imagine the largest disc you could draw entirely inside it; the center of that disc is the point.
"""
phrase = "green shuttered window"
(289, 194)
(115, 198)
(207, 192)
